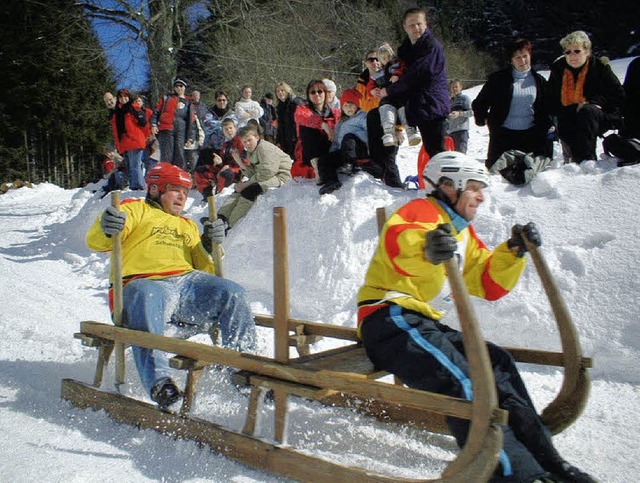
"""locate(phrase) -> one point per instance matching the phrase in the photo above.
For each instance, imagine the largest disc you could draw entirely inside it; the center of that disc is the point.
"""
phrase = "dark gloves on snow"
(530, 230)
(440, 245)
(112, 221)
(214, 232)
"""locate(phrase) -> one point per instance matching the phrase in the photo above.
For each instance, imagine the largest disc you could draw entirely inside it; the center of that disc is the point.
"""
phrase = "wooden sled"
(339, 376)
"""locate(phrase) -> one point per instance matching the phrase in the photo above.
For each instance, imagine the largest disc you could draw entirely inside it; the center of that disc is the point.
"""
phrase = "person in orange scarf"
(585, 96)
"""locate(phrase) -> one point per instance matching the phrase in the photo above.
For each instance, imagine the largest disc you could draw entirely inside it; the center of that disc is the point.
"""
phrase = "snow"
(50, 282)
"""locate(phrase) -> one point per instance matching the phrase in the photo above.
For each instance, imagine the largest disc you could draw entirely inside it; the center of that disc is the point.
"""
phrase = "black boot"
(563, 471)
(165, 392)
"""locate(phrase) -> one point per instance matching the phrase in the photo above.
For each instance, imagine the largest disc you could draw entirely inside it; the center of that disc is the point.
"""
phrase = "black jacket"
(492, 104)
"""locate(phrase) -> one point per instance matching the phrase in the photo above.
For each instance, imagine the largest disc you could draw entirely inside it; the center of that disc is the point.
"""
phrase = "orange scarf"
(572, 88)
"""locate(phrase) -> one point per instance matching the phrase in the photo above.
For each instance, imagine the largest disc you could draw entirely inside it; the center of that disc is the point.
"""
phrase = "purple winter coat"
(423, 86)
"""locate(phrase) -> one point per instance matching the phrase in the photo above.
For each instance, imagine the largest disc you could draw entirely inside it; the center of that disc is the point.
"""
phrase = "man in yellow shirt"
(168, 274)
(400, 310)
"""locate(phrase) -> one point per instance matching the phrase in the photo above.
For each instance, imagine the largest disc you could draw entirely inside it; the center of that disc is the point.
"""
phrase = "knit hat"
(329, 85)
(350, 95)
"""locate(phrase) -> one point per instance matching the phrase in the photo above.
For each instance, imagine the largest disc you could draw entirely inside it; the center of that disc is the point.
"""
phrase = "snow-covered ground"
(50, 282)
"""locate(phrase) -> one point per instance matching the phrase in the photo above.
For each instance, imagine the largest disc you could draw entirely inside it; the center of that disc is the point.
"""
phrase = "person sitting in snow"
(349, 143)
(223, 169)
(169, 276)
(267, 167)
(400, 322)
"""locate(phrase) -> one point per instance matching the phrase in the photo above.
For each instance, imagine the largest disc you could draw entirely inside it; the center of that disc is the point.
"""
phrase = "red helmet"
(163, 174)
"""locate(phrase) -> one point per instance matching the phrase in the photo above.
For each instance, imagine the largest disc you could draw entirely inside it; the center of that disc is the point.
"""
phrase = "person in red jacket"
(315, 124)
(174, 124)
(128, 123)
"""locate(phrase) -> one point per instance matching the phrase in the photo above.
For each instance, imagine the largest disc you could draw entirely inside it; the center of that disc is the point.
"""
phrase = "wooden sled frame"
(337, 377)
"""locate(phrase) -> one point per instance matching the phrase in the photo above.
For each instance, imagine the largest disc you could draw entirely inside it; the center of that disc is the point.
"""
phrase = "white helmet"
(458, 167)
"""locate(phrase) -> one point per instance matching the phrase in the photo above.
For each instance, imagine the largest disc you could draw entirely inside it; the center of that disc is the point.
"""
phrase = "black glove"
(440, 245)
(530, 230)
(112, 221)
(214, 232)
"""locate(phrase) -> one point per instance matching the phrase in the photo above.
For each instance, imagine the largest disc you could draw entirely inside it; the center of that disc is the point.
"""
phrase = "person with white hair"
(584, 95)
(331, 89)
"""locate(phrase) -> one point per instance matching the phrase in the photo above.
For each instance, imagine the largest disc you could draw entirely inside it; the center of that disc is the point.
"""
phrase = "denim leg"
(145, 302)
(206, 298)
(134, 168)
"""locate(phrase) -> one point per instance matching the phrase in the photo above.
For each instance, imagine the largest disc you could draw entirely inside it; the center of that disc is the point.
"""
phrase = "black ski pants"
(430, 356)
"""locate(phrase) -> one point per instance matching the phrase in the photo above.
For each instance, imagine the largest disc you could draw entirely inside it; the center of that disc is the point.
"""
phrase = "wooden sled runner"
(337, 377)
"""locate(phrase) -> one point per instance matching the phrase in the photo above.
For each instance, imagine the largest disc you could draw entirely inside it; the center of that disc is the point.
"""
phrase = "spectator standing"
(174, 124)
(268, 167)
(632, 100)
(169, 275)
(246, 108)
(151, 153)
(269, 118)
(458, 120)
(315, 122)
(201, 111)
(286, 134)
(511, 104)
(584, 95)
(423, 86)
(128, 126)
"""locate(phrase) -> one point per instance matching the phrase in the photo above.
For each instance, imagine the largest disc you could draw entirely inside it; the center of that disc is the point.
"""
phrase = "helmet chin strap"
(444, 197)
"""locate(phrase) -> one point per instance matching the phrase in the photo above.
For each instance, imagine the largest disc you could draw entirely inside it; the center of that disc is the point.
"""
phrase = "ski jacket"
(400, 274)
(312, 138)
(269, 166)
(128, 127)
(462, 104)
(241, 109)
(423, 86)
(601, 87)
(492, 104)
(155, 244)
(165, 112)
(356, 124)
(363, 86)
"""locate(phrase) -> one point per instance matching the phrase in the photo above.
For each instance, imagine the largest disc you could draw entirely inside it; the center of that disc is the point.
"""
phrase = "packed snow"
(588, 217)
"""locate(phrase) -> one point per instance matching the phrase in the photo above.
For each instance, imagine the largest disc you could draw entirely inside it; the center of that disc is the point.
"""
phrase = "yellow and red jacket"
(155, 244)
(399, 272)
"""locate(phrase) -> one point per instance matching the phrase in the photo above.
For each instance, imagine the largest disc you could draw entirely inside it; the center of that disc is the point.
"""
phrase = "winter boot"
(413, 135)
(165, 392)
(565, 472)
(330, 188)
(389, 137)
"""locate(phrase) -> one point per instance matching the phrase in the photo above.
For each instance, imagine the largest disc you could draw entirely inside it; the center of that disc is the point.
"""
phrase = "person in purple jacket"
(423, 87)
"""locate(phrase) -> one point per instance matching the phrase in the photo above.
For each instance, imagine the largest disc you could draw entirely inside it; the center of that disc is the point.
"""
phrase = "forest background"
(57, 57)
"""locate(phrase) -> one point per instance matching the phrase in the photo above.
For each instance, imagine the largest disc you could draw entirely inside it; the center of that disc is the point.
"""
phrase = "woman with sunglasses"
(315, 122)
(585, 97)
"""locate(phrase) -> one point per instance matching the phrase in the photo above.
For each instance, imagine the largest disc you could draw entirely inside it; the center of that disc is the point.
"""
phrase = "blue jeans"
(134, 169)
(196, 299)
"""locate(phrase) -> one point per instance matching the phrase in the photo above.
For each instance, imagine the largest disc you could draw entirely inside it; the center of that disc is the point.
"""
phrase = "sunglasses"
(372, 59)
(315, 92)
(574, 51)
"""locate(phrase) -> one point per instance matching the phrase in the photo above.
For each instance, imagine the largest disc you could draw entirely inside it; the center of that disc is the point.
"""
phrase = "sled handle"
(573, 395)
(215, 248)
(117, 292)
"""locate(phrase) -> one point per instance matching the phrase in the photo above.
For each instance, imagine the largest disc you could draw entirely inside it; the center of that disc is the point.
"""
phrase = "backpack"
(627, 150)
(519, 168)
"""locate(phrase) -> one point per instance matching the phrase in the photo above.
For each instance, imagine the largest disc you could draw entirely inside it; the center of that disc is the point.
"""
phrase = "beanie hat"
(350, 95)
(329, 85)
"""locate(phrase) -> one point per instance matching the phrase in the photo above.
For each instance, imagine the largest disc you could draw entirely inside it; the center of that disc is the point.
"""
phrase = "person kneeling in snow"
(400, 324)
(169, 275)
